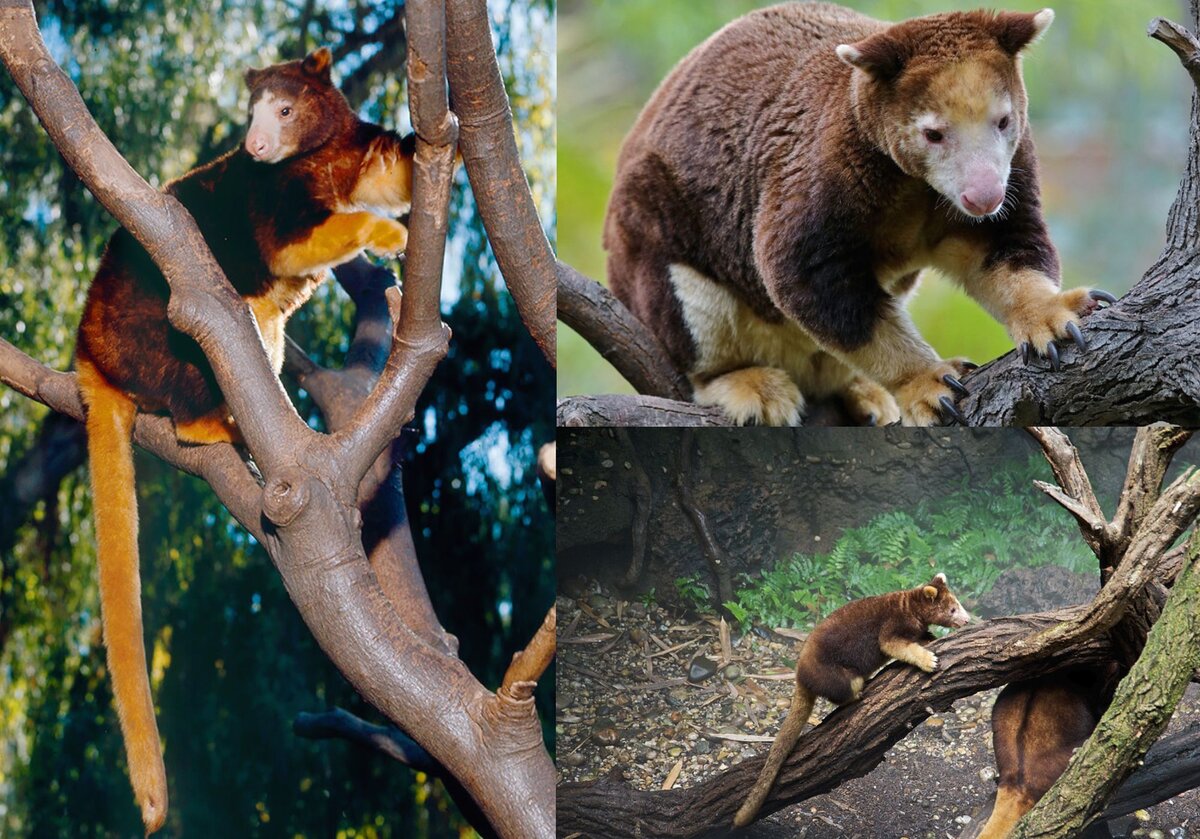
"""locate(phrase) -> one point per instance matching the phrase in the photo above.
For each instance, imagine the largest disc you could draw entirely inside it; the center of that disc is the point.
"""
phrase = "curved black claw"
(1098, 294)
(1077, 336)
(955, 385)
(1052, 354)
(969, 365)
(1026, 352)
(950, 411)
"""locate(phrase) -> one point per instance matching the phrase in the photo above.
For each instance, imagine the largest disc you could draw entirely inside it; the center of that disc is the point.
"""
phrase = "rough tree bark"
(1139, 368)
(1140, 710)
(361, 594)
(854, 738)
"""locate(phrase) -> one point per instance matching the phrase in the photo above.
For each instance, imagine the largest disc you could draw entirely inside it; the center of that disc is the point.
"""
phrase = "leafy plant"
(694, 592)
(972, 534)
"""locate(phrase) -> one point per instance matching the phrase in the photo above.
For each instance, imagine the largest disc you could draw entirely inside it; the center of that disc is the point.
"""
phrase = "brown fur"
(274, 228)
(841, 654)
(768, 166)
(1036, 727)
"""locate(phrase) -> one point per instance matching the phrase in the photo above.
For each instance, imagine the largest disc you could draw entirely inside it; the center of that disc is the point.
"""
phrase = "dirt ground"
(624, 700)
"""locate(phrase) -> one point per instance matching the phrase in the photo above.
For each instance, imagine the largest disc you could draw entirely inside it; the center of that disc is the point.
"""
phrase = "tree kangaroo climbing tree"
(322, 505)
(1139, 366)
(1145, 575)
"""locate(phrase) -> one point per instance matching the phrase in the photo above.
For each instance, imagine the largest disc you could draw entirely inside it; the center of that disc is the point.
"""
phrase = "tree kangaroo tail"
(110, 416)
(785, 740)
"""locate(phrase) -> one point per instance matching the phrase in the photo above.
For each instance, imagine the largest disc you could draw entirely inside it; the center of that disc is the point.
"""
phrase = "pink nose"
(983, 202)
(257, 145)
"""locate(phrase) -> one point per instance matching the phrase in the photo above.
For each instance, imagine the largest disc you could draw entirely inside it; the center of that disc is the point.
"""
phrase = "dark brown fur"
(300, 212)
(1036, 726)
(749, 166)
(843, 651)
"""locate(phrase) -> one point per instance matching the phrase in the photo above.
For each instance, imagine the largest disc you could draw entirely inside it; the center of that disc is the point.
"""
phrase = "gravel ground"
(624, 700)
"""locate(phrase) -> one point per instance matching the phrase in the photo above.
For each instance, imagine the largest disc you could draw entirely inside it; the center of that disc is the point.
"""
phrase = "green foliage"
(971, 534)
(648, 599)
(693, 591)
(1109, 109)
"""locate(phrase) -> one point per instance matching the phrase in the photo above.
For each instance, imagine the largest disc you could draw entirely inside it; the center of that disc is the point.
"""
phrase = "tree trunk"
(1140, 710)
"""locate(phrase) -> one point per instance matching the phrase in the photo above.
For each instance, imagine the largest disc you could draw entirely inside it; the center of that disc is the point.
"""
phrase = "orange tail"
(110, 416)
(785, 741)
(1010, 805)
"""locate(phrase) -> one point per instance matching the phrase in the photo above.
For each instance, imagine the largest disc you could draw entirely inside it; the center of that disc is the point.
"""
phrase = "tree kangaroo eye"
(286, 112)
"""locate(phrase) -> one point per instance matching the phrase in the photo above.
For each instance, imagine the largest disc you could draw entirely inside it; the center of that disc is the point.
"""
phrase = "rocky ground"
(624, 699)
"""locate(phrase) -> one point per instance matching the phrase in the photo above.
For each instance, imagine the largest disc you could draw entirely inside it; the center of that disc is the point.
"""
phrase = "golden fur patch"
(217, 427)
(1010, 806)
(728, 335)
(910, 653)
(337, 239)
(384, 179)
(271, 311)
(761, 395)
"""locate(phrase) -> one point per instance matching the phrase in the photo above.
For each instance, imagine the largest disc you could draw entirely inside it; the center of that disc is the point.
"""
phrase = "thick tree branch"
(604, 322)
(421, 338)
(489, 150)
(850, 742)
(636, 411)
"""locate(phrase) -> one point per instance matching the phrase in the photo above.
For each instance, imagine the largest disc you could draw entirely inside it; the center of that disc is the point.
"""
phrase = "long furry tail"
(110, 417)
(785, 741)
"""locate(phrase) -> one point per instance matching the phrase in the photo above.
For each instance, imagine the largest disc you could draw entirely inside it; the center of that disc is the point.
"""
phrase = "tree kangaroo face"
(945, 100)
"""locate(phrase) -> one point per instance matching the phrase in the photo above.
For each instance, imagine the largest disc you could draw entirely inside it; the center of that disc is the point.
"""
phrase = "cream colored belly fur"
(760, 372)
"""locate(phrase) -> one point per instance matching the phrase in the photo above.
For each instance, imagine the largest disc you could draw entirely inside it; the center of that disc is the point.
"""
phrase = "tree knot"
(284, 498)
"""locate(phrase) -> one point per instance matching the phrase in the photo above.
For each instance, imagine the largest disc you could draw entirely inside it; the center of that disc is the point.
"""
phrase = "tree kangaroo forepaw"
(388, 238)
(1057, 320)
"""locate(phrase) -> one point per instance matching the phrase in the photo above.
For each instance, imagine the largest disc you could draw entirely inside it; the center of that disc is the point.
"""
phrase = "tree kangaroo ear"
(880, 56)
(1015, 31)
(930, 592)
(318, 63)
(251, 76)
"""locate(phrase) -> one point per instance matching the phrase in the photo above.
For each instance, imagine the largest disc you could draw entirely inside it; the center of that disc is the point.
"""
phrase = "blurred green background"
(1109, 109)
(232, 662)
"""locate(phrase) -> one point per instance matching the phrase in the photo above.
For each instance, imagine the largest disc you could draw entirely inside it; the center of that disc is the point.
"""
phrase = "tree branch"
(848, 743)
(529, 664)
(604, 322)
(489, 151)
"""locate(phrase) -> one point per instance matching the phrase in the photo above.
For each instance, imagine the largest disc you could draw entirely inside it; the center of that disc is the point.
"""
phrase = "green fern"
(972, 534)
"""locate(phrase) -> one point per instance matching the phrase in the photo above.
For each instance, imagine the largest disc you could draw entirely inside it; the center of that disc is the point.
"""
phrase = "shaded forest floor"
(624, 700)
